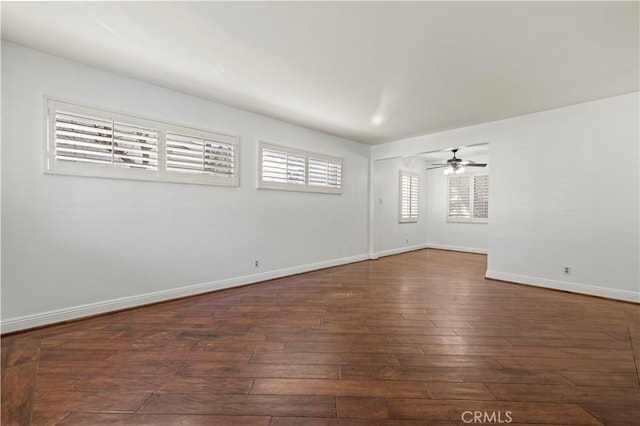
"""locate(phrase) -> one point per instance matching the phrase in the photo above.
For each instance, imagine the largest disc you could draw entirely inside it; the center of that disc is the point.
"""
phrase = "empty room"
(320, 213)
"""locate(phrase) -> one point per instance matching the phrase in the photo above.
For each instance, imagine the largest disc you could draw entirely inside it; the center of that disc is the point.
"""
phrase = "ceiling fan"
(456, 165)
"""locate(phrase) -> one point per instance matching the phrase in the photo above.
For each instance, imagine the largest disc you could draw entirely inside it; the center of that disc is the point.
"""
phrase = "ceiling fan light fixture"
(455, 165)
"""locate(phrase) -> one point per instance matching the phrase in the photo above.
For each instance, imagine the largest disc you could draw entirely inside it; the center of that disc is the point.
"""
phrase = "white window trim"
(52, 166)
(470, 219)
(306, 187)
(411, 218)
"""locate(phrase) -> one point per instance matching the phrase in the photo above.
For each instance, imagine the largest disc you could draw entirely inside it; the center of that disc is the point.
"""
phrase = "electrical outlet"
(256, 263)
(566, 270)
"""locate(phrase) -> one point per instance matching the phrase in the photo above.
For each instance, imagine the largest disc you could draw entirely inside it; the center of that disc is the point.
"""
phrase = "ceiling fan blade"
(437, 167)
(476, 165)
(439, 164)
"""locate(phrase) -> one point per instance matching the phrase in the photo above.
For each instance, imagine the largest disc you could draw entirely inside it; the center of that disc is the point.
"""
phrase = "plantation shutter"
(409, 196)
(83, 138)
(292, 169)
(283, 167)
(414, 197)
(87, 141)
(481, 197)
(459, 196)
(200, 154)
(325, 173)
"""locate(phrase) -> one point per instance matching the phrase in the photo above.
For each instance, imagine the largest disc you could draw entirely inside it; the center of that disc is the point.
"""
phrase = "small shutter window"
(198, 154)
(85, 139)
(283, 167)
(295, 170)
(325, 173)
(409, 196)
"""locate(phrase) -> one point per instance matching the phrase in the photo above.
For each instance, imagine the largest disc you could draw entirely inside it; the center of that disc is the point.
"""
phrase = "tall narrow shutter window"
(283, 167)
(324, 172)
(459, 197)
(295, 170)
(414, 197)
(481, 197)
(84, 138)
(409, 196)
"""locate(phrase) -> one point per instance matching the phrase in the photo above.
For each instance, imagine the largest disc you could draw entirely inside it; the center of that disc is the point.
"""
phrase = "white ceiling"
(367, 71)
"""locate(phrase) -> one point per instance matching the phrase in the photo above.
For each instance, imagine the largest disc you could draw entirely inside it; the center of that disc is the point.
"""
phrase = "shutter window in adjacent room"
(459, 197)
(468, 198)
(409, 196)
(481, 197)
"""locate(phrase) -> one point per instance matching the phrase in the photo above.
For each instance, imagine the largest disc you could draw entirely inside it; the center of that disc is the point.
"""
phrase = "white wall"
(392, 237)
(469, 237)
(565, 190)
(74, 246)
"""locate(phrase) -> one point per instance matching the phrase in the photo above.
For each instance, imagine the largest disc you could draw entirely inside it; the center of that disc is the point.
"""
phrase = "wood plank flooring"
(414, 339)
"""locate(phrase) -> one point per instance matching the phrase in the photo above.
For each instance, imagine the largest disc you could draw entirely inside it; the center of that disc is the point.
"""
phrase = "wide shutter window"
(409, 196)
(291, 169)
(92, 142)
(468, 198)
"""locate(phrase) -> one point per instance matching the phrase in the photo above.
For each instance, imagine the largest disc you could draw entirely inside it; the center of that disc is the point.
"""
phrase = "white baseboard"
(457, 248)
(398, 250)
(60, 315)
(591, 290)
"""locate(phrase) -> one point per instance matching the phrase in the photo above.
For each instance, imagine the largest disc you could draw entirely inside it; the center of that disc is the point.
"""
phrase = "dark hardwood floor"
(415, 339)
